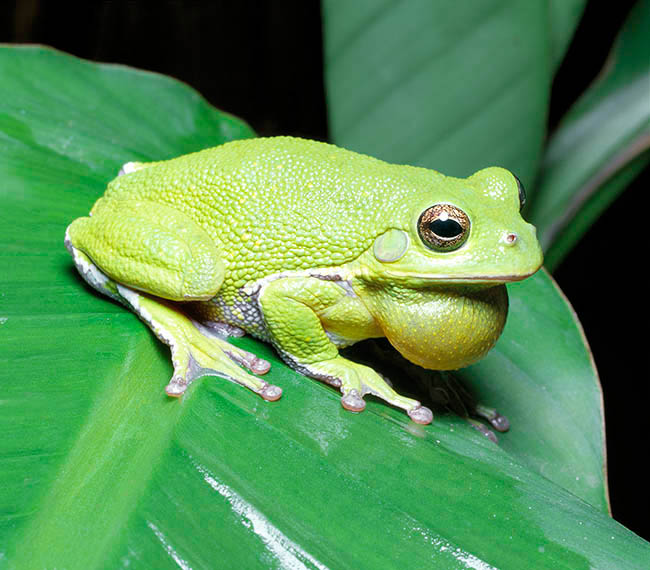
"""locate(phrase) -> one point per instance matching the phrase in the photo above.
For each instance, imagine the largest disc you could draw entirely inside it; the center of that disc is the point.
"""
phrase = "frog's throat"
(440, 328)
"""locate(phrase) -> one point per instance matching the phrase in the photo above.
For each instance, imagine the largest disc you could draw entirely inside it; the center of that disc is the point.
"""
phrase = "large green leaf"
(454, 86)
(600, 145)
(100, 469)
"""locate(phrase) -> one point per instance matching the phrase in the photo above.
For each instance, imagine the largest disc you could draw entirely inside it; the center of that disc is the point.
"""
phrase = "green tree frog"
(311, 248)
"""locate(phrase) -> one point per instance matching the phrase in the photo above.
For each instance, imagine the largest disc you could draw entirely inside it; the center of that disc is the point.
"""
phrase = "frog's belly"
(442, 329)
(238, 309)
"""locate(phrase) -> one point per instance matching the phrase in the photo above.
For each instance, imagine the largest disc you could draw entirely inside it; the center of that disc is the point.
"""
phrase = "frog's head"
(429, 283)
(462, 231)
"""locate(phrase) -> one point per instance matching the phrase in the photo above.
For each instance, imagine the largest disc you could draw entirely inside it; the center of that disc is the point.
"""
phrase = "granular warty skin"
(279, 207)
(309, 247)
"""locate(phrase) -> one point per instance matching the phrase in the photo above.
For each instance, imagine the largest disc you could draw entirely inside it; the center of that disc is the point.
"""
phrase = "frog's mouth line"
(492, 279)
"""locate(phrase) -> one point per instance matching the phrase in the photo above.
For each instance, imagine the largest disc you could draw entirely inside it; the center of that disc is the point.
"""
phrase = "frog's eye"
(443, 227)
(522, 194)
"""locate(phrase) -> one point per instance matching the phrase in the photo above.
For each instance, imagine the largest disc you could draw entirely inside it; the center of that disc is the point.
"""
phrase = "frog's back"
(294, 202)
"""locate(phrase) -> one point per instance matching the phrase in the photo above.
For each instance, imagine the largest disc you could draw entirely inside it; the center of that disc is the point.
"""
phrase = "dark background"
(262, 61)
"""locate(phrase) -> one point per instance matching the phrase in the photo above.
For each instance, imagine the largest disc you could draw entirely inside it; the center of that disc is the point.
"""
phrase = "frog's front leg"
(304, 315)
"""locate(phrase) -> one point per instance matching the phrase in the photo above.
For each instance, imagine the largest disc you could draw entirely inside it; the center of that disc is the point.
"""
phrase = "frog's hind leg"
(194, 352)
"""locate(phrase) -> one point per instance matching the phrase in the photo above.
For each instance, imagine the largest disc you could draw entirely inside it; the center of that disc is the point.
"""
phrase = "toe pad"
(271, 393)
(421, 415)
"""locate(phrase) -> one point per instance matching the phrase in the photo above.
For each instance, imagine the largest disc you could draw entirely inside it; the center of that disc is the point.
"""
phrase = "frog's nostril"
(510, 238)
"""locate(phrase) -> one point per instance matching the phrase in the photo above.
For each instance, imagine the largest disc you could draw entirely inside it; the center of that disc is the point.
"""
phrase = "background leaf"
(101, 469)
(600, 145)
(445, 83)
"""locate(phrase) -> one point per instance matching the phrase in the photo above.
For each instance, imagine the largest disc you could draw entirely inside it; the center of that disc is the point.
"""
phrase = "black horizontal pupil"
(446, 228)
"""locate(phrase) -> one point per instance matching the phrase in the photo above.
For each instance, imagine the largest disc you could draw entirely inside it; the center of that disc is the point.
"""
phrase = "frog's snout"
(521, 250)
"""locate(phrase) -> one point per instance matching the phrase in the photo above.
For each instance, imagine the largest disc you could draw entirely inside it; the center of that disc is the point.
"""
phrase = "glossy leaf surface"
(100, 469)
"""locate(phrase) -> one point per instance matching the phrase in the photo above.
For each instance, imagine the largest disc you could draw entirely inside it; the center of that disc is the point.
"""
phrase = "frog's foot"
(356, 380)
(220, 332)
(196, 352)
(498, 421)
